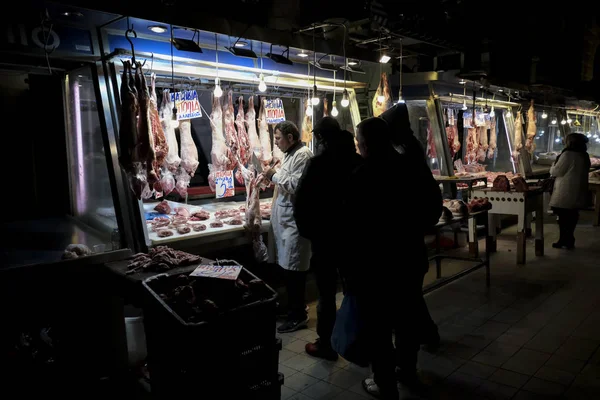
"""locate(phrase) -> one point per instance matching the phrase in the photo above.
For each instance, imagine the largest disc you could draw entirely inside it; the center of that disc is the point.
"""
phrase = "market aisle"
(535, 335)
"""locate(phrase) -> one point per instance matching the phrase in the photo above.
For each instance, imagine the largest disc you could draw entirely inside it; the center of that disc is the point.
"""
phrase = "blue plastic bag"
(347, 338)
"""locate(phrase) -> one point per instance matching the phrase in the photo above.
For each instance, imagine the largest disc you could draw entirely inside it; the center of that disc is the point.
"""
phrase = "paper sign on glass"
(224, 184)
(274, 111)
(187, 104)
(229, 272)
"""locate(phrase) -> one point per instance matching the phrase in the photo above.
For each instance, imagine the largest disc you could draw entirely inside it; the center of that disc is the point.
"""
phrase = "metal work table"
(438, 256)
(521, 204)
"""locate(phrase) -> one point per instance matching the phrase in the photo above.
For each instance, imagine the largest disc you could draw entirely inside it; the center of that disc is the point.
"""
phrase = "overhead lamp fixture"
(569, 120)
(384, 59)
(501, 90)
(464, 107)
(240, 51)
(462, 82)
(315, 99)
(240, 43)
(563, 122)
(334, 110)
(492, 113)
(262, 86)
(158, 28)
(302, 54)
(544, 115)
(345, 99)
(279, 58)
(352, 62)
(218, 92)
(186, 44)
(554, 121)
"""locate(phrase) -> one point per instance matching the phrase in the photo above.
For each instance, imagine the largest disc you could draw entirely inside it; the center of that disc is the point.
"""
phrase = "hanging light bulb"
(563, 121)
(315, 100)
(334, 110)
(492, 113)
(569, 120)
(544, 115)
(508, 113)
(345, 100)
(309, 110)
(464, 107)
(217, 92)
(553, 122)
(262, 86)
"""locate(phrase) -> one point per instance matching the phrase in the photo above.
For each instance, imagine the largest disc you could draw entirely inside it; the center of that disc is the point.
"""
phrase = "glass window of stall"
(65, 196)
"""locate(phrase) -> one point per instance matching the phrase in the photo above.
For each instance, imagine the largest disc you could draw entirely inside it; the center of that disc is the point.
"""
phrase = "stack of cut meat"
(147, 142)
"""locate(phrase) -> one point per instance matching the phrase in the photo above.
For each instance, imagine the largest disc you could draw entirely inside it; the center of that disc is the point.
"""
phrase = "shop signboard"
(187, 104)
(224, 184)
(56, 39)
(274, 111)
(228, 272)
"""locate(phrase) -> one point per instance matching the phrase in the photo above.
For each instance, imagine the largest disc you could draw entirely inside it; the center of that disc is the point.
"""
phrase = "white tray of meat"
(190, 221)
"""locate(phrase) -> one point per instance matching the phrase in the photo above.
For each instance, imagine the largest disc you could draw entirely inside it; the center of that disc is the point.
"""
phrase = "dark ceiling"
(515, 35)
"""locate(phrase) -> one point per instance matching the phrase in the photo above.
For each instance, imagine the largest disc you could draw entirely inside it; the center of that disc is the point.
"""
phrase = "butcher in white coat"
(293, 251)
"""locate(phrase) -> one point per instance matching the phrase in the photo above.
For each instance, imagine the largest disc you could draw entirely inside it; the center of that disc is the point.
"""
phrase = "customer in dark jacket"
(406, 143)
(316, 209)
(386, 286)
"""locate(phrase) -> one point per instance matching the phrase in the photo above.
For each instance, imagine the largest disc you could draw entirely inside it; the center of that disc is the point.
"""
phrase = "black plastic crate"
(235, 350)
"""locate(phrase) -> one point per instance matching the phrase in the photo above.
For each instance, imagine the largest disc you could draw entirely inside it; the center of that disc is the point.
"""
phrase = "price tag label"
(228, 272)
(187, 104)
(274, 111)
(224, 184)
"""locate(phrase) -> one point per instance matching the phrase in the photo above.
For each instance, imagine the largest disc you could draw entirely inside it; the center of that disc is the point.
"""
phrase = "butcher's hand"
(269, 173)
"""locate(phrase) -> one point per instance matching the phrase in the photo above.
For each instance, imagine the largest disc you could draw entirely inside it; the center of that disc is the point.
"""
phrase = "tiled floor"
(535, 334)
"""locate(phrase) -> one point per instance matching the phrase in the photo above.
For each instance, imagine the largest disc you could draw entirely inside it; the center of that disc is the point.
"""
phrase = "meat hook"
(133, 61)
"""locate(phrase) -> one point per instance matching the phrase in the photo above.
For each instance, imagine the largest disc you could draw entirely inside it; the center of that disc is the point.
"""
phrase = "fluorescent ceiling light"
(158, 28)
(352, 62)
(240, 43)
(303, 54)
(384, 59)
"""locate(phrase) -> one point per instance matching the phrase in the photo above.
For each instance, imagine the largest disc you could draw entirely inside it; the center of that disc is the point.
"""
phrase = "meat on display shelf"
(211, 208)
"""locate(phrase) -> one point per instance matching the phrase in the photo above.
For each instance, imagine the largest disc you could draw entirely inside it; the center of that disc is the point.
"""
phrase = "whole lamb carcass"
(493, 138)
(253, 138)
(265, 136)
(518, 135)
(531, 129)
(219, 153)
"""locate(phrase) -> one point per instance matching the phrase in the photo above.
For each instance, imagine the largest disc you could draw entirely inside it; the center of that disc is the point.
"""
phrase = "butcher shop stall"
(213, 102)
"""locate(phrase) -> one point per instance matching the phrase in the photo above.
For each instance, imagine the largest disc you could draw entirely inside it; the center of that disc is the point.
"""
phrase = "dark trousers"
(326, 276)
(567, 221)
(295, 282)
(385, 315)
(429, 330)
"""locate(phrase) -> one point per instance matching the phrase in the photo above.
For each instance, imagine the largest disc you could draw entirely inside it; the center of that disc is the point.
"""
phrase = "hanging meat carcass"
(161, 148)
(483, 143)
(251, 129)
(325, 107)
(189, 157)
(379, 107)
(307, 125)
(264, 135)
(431, 152)
(452, 133)
(171, 162)
(253, 223)
(518, 135)
(472, 138)
(492, 144)
(531, 129)
(231, 135)
(219, 153)
(145, 146)
(128, 136)
(243, 136)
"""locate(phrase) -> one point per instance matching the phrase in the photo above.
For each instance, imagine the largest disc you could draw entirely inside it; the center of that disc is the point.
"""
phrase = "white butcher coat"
(292, 250)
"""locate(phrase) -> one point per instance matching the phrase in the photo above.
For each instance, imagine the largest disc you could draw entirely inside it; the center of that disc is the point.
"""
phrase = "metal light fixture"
(554, 121)
(279, 58)
(315, 99)
(262, 86)
(385, 59)
(240, 43)
(302, 54)
(352, 62)
(186, 44)
(240, 51)
(563, 122)
(544, 115)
